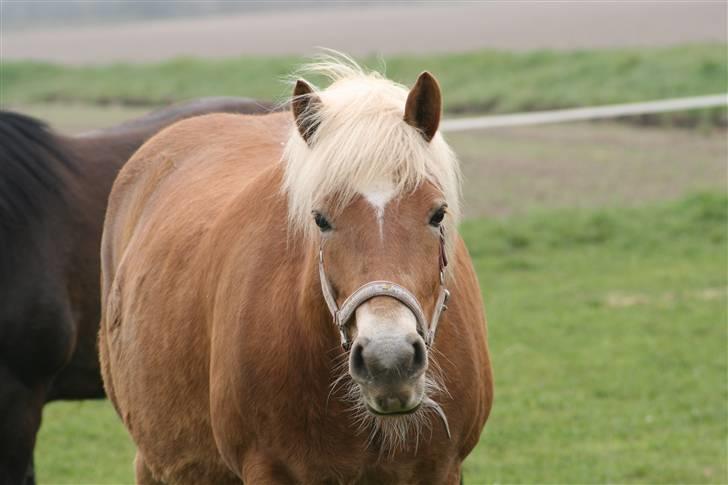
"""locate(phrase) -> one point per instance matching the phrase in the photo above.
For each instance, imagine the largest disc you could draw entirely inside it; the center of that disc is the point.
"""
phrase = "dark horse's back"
(53, 194)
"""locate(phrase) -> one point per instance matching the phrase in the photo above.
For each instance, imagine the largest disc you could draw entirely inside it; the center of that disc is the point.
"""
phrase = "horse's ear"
(424, 105)
(305, 104)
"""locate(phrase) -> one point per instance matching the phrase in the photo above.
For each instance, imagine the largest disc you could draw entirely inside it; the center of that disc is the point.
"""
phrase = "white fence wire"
(588, 113)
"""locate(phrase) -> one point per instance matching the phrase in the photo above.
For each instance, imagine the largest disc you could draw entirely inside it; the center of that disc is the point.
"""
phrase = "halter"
(342, 315)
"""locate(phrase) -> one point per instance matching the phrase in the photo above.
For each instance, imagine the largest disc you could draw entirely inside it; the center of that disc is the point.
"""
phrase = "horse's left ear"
(424, 105)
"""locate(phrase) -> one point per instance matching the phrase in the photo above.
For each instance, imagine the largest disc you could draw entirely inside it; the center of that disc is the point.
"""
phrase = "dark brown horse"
(271, 287)
(53, 193)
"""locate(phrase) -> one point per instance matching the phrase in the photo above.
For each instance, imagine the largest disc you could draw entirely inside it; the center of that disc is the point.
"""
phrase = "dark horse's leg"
(30, 474)
(20, 413)
(33, 348)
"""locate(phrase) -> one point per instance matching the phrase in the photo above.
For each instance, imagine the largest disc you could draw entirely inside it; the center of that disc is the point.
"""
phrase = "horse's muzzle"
(390, 372)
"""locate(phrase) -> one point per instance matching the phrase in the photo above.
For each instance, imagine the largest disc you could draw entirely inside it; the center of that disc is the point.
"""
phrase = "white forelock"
(361, 141)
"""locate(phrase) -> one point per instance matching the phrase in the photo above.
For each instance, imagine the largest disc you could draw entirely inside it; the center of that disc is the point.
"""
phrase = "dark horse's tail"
(34, 169)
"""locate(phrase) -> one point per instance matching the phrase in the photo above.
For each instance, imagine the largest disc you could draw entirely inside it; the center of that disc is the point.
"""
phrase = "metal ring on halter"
(366, 292)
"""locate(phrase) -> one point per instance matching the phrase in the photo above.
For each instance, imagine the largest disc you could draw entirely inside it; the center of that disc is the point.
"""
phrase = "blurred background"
(600, 245)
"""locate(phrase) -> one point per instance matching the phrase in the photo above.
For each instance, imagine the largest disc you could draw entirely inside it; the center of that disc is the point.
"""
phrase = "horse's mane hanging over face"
(360, 141)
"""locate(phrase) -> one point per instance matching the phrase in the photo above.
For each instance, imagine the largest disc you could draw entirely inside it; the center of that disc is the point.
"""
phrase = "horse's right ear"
(305, 105)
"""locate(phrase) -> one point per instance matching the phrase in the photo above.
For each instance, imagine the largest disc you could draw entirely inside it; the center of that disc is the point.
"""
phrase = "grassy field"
(608, 333)
(483, 81)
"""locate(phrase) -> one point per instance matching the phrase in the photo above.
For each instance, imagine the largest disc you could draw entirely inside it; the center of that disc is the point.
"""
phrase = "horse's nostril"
(357, 364)
(420, 356)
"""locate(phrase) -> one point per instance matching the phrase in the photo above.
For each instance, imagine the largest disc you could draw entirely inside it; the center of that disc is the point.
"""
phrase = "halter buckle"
(345, 343)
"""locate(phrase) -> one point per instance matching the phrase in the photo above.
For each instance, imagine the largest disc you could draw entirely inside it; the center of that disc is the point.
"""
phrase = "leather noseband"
(342, 315)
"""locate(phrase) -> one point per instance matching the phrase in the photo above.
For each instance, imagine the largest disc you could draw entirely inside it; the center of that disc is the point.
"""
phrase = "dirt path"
(429, 28)
(584, 165)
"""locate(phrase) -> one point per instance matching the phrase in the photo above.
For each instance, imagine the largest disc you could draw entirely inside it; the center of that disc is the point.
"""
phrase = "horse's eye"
(438, 216)
(321, 221)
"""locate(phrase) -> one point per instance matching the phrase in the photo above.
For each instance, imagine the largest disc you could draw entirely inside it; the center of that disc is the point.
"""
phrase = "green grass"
(483, 81)
(83, 443)
(608, 331)
(608, 335)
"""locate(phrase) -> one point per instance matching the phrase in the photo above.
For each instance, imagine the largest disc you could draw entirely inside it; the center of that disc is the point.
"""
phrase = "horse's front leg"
(21, 405)
(30, 473)
(260, 468)
(143, 474)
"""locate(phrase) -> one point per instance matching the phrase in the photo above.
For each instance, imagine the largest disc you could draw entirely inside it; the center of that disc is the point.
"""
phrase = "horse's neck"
(310, 304)
(316, 323)
(270, 275)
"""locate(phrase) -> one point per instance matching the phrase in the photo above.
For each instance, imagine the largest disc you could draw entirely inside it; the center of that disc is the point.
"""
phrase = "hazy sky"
(201, 29)
(24, 14)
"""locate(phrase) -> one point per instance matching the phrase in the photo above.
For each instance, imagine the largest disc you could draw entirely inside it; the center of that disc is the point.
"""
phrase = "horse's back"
(156, 120)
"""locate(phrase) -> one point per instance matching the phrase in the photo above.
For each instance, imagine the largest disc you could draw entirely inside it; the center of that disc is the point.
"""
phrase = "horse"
(271, 288)
(53, 193)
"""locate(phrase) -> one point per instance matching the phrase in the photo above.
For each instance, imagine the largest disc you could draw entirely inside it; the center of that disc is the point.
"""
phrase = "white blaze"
(378, 197)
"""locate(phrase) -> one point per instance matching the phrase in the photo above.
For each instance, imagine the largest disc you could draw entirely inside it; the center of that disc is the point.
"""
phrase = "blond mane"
(361, 141)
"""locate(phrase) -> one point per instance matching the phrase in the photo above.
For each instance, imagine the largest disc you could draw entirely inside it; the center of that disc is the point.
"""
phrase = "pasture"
(483, 81)
(600, 250)
(608, 334)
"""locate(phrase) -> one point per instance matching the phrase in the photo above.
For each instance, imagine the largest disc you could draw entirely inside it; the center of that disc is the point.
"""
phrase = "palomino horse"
(230, 245)
(53, 192)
